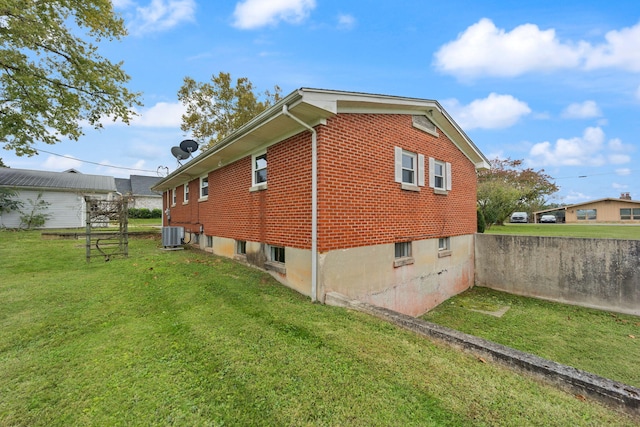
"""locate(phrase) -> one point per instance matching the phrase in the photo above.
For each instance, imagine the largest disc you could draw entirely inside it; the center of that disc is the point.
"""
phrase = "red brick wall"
(280, 215)
(359, 201)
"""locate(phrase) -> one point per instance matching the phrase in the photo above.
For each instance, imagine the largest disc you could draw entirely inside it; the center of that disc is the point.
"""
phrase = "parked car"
(548, 218)
(519, 217)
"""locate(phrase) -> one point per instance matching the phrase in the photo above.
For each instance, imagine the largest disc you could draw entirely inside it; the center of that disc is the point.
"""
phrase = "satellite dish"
(189, 145)
(179, 153)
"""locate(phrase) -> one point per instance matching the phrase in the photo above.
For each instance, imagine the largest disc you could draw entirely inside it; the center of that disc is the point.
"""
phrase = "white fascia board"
(324, 101)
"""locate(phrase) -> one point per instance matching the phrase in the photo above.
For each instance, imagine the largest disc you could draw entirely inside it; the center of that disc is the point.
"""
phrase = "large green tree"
(216, 108)
(52, 78)
(507, 187)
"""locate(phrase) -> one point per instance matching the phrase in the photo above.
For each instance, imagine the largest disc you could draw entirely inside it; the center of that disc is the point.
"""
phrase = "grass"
(607, 344)
(187, 338)
(595, 231)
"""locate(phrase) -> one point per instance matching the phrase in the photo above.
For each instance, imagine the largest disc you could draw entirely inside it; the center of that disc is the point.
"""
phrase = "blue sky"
(554, 83)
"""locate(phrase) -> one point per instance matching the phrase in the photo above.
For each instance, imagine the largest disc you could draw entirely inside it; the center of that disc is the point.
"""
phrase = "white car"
(548, 218)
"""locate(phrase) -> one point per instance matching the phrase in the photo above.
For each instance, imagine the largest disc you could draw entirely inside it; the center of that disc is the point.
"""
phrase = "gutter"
(314, 202)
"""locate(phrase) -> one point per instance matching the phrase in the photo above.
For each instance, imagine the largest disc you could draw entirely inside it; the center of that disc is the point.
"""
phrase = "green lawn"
(187, 338)
(607, 344)
(570, 230)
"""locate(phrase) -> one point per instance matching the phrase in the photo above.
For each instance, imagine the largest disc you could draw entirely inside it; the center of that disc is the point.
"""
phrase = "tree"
(51, 79)
(2, 165)
(215, 109)
(508, 187)
(8, 202)
(36, 215)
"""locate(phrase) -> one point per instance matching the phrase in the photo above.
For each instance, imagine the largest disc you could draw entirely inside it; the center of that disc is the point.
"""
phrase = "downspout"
(314, 202)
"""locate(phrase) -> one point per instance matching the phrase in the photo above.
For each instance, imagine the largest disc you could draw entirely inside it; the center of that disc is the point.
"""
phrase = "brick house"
(369, 196)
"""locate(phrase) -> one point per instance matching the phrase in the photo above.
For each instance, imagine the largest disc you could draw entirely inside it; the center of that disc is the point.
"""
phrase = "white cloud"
(621, 50)
(616, 144)
(576, 197)
(583, 110)
(162, 15)
(484, 49)
(61, 163)
(617, 186)
(619, 159)
(147, 151)
(493, 112)
(117, 171)
(259, 13)
(346, 22)
(163, 114)
(584, 150)
(587, 150)
(623, 171)
(121, 4)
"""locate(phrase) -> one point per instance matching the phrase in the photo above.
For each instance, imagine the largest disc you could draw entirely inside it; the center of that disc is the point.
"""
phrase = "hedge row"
(145, 213)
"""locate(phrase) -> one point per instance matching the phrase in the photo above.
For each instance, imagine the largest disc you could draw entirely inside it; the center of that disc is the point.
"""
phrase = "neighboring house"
(609, 210)
(369, 196)
(138, 190)
(63, 191)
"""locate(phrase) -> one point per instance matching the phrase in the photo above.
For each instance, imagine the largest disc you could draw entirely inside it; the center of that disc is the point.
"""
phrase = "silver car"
(548, 218)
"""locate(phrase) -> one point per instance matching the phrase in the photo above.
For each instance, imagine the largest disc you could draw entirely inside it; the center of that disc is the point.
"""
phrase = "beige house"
(610, 210)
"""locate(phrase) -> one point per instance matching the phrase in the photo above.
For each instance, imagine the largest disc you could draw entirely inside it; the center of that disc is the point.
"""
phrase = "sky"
(556, 84)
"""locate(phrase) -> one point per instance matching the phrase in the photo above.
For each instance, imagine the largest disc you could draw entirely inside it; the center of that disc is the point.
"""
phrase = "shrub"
(144, 213)
(482, 224)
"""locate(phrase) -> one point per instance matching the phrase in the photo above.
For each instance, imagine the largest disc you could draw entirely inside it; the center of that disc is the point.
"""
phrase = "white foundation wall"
(368, 274)
(297, 268)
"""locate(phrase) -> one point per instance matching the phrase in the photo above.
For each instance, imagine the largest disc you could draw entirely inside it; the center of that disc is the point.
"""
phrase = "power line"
(99, 164)
(595, 174)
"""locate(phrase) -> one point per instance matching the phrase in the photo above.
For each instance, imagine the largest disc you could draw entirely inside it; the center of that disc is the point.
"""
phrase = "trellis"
(105, 214)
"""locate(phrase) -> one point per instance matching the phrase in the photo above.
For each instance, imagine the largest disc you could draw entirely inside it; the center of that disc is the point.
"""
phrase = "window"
(276, 254)
(259, 168)
(409, 161)
(444, 244)
(403, 254)
(409, 168)
(209, 241)
(629, 213)
(403, 249)
(439, 175)
(186, 192)
(276, 259)
(174, 197)
(241, 247)
(204, 187)
(586, 214)
(444, 247)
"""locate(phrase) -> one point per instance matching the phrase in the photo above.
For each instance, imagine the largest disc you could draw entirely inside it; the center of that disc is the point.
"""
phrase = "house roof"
(138, 185)
(313, 107)
(43, 180)
(590, 202)
(123, 185)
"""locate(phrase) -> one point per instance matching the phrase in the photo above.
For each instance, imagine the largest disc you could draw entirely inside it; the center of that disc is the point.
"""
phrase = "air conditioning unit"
(172, 236)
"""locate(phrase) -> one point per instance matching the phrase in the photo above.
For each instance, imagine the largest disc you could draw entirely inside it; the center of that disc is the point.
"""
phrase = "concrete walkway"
(572, 380)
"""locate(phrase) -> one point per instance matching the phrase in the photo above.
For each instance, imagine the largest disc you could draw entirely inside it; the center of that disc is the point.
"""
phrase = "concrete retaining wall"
(612, 393)
(597, 273)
